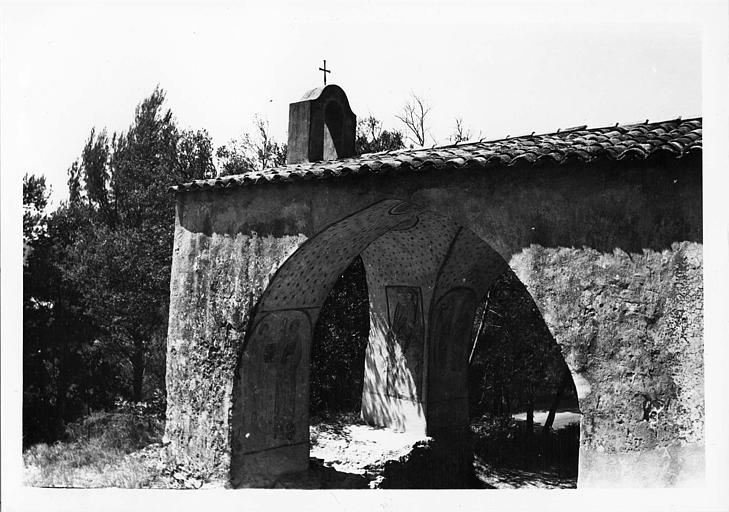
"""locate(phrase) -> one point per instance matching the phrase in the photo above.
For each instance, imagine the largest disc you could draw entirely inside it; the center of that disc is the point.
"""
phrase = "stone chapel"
(603, 226)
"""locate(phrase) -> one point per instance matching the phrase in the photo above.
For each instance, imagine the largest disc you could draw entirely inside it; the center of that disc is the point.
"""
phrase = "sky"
(71, 67)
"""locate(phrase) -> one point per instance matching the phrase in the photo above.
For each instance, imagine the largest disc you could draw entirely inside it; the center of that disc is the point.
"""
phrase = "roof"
(677, 138)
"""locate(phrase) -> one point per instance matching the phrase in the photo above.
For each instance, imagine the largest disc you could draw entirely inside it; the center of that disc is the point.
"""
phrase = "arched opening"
(425, 277)
(522, 399)
(338, 347)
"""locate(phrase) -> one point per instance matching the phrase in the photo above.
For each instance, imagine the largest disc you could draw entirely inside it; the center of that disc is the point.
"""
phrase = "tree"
(269, 152)
(96, 275)
(371, 138)
(516, 364)
(122, 262)
(251, 153)
(195, 155)
(95, 161)
(74, 183)
(35, 201)
(566, 378)
(338, 345)
(54, 325)
(413, 117)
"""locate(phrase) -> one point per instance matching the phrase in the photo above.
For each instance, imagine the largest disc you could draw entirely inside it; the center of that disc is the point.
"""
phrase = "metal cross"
(325, 70)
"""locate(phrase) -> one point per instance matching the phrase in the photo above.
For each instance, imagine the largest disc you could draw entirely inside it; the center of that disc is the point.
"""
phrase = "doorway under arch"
(426, 276)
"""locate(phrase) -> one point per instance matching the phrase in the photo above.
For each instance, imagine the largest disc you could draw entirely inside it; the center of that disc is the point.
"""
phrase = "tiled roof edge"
(676, 137)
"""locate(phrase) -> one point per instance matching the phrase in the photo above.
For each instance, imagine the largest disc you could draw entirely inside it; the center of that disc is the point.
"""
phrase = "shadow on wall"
(339, 352)
(630, 204)
(390, 397)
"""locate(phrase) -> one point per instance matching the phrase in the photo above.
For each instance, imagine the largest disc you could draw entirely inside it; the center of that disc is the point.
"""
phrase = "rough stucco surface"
(631, 327)
(214, 287)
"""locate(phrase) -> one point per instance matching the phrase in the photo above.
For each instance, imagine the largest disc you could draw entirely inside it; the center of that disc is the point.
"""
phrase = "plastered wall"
(611, 253)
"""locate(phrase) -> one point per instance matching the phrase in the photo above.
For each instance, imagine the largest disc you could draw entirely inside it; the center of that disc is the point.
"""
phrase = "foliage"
(251, 153)
(371, 138)
(56, 373)
(507, 456)
(338, 345)
(125, 429)
(121, 263)
(35, 201)
(96, 282)
(516, 365)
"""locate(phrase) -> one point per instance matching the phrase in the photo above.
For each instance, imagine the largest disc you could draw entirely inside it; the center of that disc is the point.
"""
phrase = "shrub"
(128, 428)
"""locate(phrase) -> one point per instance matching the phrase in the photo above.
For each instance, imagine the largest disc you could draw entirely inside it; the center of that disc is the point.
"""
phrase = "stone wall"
(216, 281)
(610, 251)
(631, 328)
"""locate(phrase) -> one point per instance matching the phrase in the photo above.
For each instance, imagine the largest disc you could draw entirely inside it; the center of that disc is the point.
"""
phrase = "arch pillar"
(272, 435)
(424, 283)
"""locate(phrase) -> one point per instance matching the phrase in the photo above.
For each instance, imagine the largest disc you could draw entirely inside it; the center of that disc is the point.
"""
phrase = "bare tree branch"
(413, 117)
(460, 132)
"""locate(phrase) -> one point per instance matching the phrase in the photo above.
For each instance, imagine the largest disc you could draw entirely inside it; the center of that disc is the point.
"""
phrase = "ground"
(358, 449)
(345, 453)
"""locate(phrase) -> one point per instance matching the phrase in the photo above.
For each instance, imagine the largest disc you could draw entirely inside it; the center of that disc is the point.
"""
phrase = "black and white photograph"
(364, 256)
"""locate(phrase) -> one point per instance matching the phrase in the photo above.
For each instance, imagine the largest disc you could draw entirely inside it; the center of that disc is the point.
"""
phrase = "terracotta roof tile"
(676, 137)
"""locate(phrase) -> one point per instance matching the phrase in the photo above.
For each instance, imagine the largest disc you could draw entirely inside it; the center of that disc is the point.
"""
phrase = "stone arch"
(426, 274)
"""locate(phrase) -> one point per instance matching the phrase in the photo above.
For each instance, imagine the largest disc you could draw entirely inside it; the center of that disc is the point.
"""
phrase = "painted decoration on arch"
(452, 323)
(289, 361)
(404, 340)
(275, 410)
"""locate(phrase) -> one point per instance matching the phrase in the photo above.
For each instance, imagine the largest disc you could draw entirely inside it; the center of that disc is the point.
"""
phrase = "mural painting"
(278, 351)
(287, 373)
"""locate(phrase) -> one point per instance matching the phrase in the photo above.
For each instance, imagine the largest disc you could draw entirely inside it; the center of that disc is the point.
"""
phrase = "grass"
(82, 465)
(102, 450)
